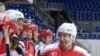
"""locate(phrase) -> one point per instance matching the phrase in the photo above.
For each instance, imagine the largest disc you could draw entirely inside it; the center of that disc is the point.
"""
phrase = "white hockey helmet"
(69, 28)
(14, 14)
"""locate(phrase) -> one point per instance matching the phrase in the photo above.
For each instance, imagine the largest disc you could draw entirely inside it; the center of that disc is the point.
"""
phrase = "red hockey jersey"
(29, 48)
(54, 50)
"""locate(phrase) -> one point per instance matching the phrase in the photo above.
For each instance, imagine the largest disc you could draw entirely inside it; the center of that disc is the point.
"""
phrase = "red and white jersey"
(29, 48)
(14, 53)
(39, 48)
(54, 50)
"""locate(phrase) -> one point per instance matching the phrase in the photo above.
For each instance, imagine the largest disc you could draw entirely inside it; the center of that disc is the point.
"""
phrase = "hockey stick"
(7, 41)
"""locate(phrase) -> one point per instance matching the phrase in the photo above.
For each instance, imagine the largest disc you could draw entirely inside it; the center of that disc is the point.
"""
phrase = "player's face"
(48, 40)
(27, 33)
(30, 34)
(24, 33)
(64, 39)
(20, 23)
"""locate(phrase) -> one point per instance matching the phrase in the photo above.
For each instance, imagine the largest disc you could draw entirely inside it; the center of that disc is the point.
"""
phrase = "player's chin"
(63, 44)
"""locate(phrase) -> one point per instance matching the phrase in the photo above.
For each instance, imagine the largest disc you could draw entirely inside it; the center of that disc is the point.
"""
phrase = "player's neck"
(67, 48)
(47, 43)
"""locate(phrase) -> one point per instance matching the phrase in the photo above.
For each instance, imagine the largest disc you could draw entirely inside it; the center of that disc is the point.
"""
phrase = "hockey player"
(66, 35)
(17, 47)
(46, 39)
(18, 18)
(46, 36)
(7, 29)
(27, 35)
(35, 32)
